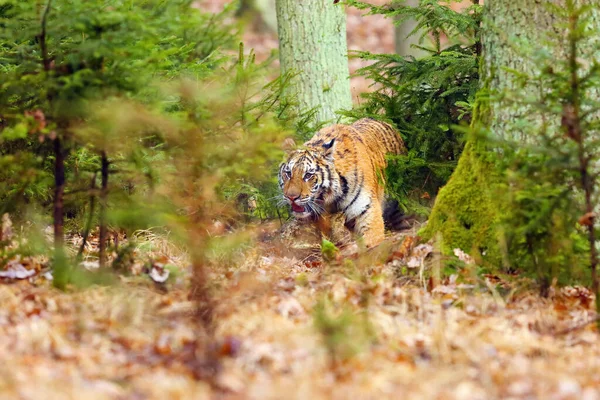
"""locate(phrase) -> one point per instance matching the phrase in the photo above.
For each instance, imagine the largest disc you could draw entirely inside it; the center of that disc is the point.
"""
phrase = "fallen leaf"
(230, 346)
(90, 265)
(163, 345)
(159, 274)
(464, 257)
(407, 245)
(418, 255)
(587, 219)
(16, 271)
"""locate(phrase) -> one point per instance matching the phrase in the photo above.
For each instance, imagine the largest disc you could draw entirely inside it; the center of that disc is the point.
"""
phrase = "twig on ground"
(577, 327)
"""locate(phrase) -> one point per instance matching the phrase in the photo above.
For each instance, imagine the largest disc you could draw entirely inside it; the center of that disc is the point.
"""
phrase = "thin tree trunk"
(260, 14)
(312, 44)
(88, 224)
(59, 190)
(103, 236)
(42, 38)
(207, 364)
(403, 43)
(571, 123)
(60, 263)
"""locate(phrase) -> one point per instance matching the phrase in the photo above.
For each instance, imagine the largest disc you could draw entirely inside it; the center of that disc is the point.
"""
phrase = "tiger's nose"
(293, 197)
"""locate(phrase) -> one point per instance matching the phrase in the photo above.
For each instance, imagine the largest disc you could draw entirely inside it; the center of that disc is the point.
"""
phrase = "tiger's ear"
(328, 149)
(288, 145)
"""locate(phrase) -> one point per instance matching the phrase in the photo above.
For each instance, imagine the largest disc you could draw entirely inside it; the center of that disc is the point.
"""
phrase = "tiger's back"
(344, 165)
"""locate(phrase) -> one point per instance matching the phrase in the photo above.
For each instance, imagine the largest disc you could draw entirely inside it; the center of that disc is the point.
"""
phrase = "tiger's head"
(304, 177)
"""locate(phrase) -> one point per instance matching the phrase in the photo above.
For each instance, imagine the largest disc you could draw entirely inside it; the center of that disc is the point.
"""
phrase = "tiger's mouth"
(297, 208)
(301, 212)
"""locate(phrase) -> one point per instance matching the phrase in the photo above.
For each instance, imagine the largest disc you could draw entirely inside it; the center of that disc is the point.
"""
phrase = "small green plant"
(551, 224)
(329, 250)
(342, 333)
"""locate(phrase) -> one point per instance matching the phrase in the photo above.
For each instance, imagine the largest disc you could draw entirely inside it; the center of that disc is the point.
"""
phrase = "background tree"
(404, 36)
(465, 212)
(312, 46)
(517, 106)
(258, 14)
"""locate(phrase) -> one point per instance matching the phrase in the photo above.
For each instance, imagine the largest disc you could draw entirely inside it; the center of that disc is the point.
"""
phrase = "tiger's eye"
(307, 176)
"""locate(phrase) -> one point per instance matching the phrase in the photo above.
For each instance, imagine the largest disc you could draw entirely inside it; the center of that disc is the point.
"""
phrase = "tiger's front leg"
(333, 228)
(324, 226)
(369, 224)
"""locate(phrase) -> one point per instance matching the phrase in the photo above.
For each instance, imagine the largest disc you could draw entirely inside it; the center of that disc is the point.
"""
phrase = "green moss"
(466, 211)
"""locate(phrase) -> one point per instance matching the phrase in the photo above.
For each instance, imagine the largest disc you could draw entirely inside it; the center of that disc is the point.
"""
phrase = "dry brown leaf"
(587, 219)
(16, 270)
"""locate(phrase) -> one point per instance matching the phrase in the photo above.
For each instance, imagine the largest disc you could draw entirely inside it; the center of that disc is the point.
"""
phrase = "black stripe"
(357, 193)
(345, 187)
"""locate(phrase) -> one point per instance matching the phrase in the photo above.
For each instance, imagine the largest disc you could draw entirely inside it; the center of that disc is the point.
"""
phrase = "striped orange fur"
(341, 170)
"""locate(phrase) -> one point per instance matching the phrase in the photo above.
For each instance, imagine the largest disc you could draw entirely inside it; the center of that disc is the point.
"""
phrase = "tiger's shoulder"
(366, 134)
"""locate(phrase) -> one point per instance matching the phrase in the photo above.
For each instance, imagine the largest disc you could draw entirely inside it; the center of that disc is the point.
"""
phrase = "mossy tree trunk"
(312, 44)
(467, 209)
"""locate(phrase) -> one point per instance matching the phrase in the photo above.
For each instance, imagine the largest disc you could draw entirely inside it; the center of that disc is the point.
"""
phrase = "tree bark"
(312, 44)
(61, 269)
(507, 37)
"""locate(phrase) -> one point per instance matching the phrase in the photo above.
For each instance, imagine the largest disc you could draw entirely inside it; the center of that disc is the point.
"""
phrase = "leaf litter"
(388, 337)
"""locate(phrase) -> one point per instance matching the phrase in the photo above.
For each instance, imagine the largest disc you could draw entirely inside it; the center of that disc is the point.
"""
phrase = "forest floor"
(289, 326)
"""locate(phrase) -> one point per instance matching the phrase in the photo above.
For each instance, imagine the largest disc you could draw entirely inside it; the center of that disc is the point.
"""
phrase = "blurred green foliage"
(191, 126)
(550, 223)
(344, 332)
(58, 58)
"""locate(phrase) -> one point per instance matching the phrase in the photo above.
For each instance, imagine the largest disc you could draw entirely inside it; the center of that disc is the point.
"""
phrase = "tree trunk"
(59, 190)
(103, 235)
(506, 33)
(312, 44)
(88, 224)
(259, 14)
(61, 268)
(468, 208)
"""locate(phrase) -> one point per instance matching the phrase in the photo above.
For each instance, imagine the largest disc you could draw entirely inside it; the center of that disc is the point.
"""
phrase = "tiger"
(340, 170)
